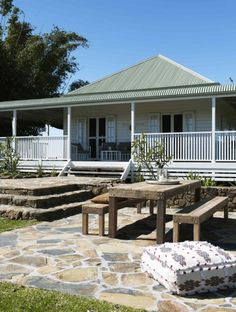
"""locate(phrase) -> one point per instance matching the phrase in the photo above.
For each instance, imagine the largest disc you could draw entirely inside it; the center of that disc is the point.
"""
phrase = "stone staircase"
(42, 203)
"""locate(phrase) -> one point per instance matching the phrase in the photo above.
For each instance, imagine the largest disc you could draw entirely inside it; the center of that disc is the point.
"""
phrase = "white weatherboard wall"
(200, 108)
(120, 112)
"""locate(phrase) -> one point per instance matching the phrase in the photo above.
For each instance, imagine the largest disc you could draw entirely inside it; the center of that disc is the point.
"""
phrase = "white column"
(14, 128)
(14, 123)
(132, 120)
(69, 133)
(213, 129)
(132, 124)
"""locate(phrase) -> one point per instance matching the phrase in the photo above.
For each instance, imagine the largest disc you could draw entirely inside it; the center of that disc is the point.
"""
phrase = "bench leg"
(84, 223)
(151, 206)
(196, 231)
(101, 224)
(139, 207)
(175, 232)
(226, 213)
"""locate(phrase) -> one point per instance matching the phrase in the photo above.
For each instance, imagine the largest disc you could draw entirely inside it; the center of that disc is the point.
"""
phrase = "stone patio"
(57, 256)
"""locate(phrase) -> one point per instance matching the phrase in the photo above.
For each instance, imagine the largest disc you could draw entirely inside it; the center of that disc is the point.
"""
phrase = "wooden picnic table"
(153, 192)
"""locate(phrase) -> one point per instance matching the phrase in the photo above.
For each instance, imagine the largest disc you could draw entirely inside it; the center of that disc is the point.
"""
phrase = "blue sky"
(200, 34)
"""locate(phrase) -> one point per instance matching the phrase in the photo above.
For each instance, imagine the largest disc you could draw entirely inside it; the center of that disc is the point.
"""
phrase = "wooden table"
(145, 191)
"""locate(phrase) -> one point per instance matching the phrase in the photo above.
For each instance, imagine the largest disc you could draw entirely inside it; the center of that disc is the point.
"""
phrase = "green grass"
(18, 298)
(8, 225)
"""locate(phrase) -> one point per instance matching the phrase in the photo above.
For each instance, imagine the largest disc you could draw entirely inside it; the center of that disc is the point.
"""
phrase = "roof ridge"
(115, 73)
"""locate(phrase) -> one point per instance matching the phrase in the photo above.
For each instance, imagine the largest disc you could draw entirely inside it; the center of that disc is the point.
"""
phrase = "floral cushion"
(190, 267)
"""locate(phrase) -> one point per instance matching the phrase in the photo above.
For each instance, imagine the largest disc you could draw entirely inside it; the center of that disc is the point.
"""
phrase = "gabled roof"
(155, 73)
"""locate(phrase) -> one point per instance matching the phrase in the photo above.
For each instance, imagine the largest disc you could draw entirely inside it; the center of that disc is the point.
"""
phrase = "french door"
(97, 135)
(172, 123)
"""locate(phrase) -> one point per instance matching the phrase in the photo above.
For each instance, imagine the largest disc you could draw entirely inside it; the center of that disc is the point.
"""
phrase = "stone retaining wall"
(186, 199)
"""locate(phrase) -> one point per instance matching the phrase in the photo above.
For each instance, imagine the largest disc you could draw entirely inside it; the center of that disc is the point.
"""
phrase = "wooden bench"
(101, 209)
(198, 213)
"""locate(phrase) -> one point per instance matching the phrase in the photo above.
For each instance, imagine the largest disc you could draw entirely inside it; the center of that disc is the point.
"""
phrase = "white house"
(192, 115)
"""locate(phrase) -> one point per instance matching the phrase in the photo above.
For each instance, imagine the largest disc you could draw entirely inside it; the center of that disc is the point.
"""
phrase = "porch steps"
(45, 165)
(43, 203)
(98, 169)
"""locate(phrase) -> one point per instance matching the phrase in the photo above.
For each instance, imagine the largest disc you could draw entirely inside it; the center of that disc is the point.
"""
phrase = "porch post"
(132, 124)
(14, 128)
(213, 129)
(69, 133)
(14, 123)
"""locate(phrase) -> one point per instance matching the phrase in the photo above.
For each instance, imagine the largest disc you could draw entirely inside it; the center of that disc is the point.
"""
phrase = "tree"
(34, 65)
(77, 84)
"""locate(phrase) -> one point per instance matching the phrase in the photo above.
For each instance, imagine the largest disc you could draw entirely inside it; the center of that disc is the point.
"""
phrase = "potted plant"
(150, 158)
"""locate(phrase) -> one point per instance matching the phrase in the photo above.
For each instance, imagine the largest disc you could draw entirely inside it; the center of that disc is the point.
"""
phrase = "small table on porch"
(145, 191)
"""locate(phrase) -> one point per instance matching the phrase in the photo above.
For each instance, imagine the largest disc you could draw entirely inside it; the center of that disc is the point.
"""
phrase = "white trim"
(69, 133)
(213, 128)
(14, 123)
(132, 120)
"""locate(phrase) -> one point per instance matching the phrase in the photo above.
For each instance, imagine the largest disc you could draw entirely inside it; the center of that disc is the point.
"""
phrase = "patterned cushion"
(190, 267)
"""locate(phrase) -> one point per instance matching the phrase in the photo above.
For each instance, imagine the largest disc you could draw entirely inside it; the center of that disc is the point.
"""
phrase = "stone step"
(45, 201)
(39, 191)
(50, 214)
(116, 175)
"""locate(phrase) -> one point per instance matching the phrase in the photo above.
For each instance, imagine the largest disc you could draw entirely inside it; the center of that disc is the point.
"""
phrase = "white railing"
(226, 145)
(183, 146)
(32, 147)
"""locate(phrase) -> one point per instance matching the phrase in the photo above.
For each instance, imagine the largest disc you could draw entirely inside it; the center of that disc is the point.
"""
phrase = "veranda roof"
(154, 79)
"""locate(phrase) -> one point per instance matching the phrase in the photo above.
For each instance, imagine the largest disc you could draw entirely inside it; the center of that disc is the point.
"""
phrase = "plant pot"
(161, 174)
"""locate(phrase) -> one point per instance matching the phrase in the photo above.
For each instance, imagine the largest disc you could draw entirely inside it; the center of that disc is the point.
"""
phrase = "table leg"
(113, 206)
(160, 222)
(197, 195)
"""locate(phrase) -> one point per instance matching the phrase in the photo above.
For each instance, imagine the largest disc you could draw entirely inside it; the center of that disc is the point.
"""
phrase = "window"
(154, 123)
(189, 122)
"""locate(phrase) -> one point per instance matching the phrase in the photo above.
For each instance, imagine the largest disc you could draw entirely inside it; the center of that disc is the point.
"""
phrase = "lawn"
(8, 225)
(19, 298)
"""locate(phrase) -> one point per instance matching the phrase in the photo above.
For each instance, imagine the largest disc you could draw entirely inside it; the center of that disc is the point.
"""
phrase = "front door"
(97, 135)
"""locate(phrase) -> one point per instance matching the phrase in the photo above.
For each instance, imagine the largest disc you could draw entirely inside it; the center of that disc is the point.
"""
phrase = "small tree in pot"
(150, 158)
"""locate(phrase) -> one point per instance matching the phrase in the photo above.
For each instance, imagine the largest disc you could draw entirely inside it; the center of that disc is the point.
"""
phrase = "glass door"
(172, 123)
(97, 135)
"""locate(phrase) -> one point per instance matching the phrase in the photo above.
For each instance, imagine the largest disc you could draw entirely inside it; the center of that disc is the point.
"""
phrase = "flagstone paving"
(56, 256)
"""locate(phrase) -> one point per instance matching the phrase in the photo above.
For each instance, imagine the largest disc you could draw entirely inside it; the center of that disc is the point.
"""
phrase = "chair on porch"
(79, 153)
(109, 152)
(125, 149)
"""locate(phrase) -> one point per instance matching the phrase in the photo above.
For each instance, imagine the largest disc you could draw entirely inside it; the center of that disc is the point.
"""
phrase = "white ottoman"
(190, 267)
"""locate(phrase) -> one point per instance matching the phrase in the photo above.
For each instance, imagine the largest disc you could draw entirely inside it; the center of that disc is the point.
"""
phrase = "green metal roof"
(156, 72)
(157, 78)
(128, 96)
